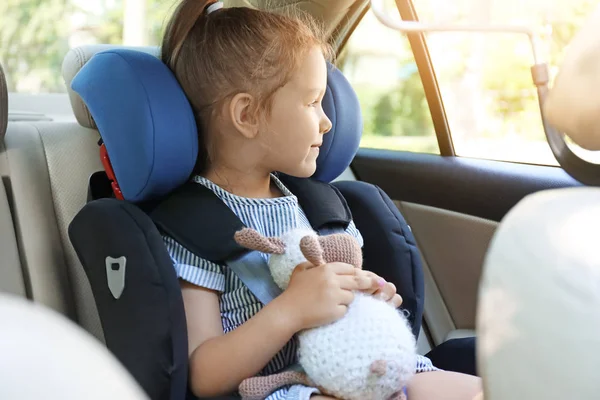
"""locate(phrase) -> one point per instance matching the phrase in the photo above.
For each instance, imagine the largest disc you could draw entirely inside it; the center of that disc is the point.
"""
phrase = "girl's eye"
(314, 103)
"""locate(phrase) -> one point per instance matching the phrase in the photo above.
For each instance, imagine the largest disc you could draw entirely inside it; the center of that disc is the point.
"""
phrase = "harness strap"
(197, 219)
(253, 271)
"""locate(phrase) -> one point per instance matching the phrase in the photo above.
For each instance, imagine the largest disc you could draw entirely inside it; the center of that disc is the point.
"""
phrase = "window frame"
(433, 94)
(423, 61)
(424, 65)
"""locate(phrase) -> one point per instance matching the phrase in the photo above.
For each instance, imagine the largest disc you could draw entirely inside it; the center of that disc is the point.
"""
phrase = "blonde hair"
(234, 50)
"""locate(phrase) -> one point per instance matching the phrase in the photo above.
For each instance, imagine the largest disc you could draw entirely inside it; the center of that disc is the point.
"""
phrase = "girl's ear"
(242, 116)
(251, 239)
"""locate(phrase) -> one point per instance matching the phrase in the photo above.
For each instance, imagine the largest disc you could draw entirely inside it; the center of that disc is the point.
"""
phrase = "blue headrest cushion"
(341, 143)
(144, 119)
(149, 130)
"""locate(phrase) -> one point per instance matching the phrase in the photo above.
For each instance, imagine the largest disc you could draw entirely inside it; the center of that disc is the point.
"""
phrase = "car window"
(380, 65)
(35, 35)
(485, 79)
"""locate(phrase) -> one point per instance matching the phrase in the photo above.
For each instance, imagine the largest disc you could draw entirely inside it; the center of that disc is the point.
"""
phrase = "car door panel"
(453, 206)
(453, 247)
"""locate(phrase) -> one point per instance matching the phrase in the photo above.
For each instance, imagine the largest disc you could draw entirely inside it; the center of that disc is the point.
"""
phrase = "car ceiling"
(338, 16)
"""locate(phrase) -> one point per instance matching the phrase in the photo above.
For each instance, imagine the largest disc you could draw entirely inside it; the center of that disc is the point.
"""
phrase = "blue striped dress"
(271, 217)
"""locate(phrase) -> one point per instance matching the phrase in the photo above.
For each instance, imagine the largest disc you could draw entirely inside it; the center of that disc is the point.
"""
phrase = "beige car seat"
(11, 274)
(44, 169)
(47, 166)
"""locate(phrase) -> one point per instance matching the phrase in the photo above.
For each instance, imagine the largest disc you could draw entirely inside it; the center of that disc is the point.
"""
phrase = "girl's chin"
(306, 170)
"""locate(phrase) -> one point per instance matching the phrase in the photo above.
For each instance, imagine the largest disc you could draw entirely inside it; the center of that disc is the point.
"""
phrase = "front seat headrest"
(549, 238)
(148, 126)
(34, 337)
(3, 104)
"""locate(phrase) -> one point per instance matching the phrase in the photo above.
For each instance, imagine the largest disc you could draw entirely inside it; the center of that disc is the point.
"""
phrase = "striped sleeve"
(194, 269)
(353, 230)
(424, 364)
(293, 392)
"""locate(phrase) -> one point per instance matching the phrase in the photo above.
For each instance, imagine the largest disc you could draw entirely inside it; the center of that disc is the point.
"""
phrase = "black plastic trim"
(482, 188)
(580, 169)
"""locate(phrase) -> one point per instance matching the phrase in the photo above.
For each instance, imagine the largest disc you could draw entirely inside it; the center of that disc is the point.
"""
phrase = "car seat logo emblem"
(115, 275)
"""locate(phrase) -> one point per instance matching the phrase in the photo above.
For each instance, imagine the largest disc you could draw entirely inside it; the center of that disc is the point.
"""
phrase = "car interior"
(453, 205)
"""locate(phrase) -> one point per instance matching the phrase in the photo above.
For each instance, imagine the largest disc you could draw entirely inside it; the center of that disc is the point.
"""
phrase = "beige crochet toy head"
(298, 246)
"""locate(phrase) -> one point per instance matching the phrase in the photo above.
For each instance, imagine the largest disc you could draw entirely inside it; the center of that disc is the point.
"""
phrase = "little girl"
(255, 81)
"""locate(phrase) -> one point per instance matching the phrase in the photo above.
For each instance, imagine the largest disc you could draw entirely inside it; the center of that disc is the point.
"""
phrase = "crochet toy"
(369, 354)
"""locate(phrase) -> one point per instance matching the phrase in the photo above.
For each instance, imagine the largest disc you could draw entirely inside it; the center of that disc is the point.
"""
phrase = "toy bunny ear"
(251, 239)
(312, 250)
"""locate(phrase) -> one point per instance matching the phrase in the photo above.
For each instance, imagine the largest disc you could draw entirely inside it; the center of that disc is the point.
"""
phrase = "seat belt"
(253, 270)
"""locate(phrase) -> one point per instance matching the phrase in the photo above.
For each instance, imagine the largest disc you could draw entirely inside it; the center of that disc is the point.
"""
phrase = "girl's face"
(294, 130)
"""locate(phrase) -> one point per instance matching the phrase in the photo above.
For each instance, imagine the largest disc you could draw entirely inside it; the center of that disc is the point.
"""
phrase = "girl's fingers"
(342, 268)
(387, 291)
(396, 301)
(368, 284)
(349, 282)
(346, 297)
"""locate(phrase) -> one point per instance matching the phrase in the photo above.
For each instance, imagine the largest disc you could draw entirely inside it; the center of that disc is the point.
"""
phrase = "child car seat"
(149, 146)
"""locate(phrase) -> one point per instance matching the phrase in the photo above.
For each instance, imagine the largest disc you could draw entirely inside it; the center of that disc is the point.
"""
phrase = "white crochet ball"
(338, 356)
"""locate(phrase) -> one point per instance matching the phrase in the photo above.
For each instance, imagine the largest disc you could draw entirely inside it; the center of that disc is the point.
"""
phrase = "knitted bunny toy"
(369, 354)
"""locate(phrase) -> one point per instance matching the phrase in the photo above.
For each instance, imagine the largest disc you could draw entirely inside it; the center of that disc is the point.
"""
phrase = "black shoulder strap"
(324, 205)
(195, 217)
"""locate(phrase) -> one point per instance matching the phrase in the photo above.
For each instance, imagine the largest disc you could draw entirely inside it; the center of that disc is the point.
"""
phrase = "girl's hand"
(319, 295)
(371, 283)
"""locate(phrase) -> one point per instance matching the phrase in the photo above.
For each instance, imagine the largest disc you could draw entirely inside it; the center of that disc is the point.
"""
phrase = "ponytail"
(187, 14)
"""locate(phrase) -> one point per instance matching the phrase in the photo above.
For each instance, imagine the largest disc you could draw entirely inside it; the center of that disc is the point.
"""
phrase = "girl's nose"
(326, 124)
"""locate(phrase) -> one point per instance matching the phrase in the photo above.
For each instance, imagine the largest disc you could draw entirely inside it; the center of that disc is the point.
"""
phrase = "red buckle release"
(109, 172)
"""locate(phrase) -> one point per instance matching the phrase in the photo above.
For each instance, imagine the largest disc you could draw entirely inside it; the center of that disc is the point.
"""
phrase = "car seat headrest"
(148, 127)
(75, 60)
(3, 104)
(144, 119)
(340, 144)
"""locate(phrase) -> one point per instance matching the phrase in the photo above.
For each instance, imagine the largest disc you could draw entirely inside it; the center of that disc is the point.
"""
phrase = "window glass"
(380, 65)
(485, 80)
(35, 35)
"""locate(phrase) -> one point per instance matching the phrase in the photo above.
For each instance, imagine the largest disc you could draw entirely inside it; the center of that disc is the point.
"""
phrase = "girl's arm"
(219, 363)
